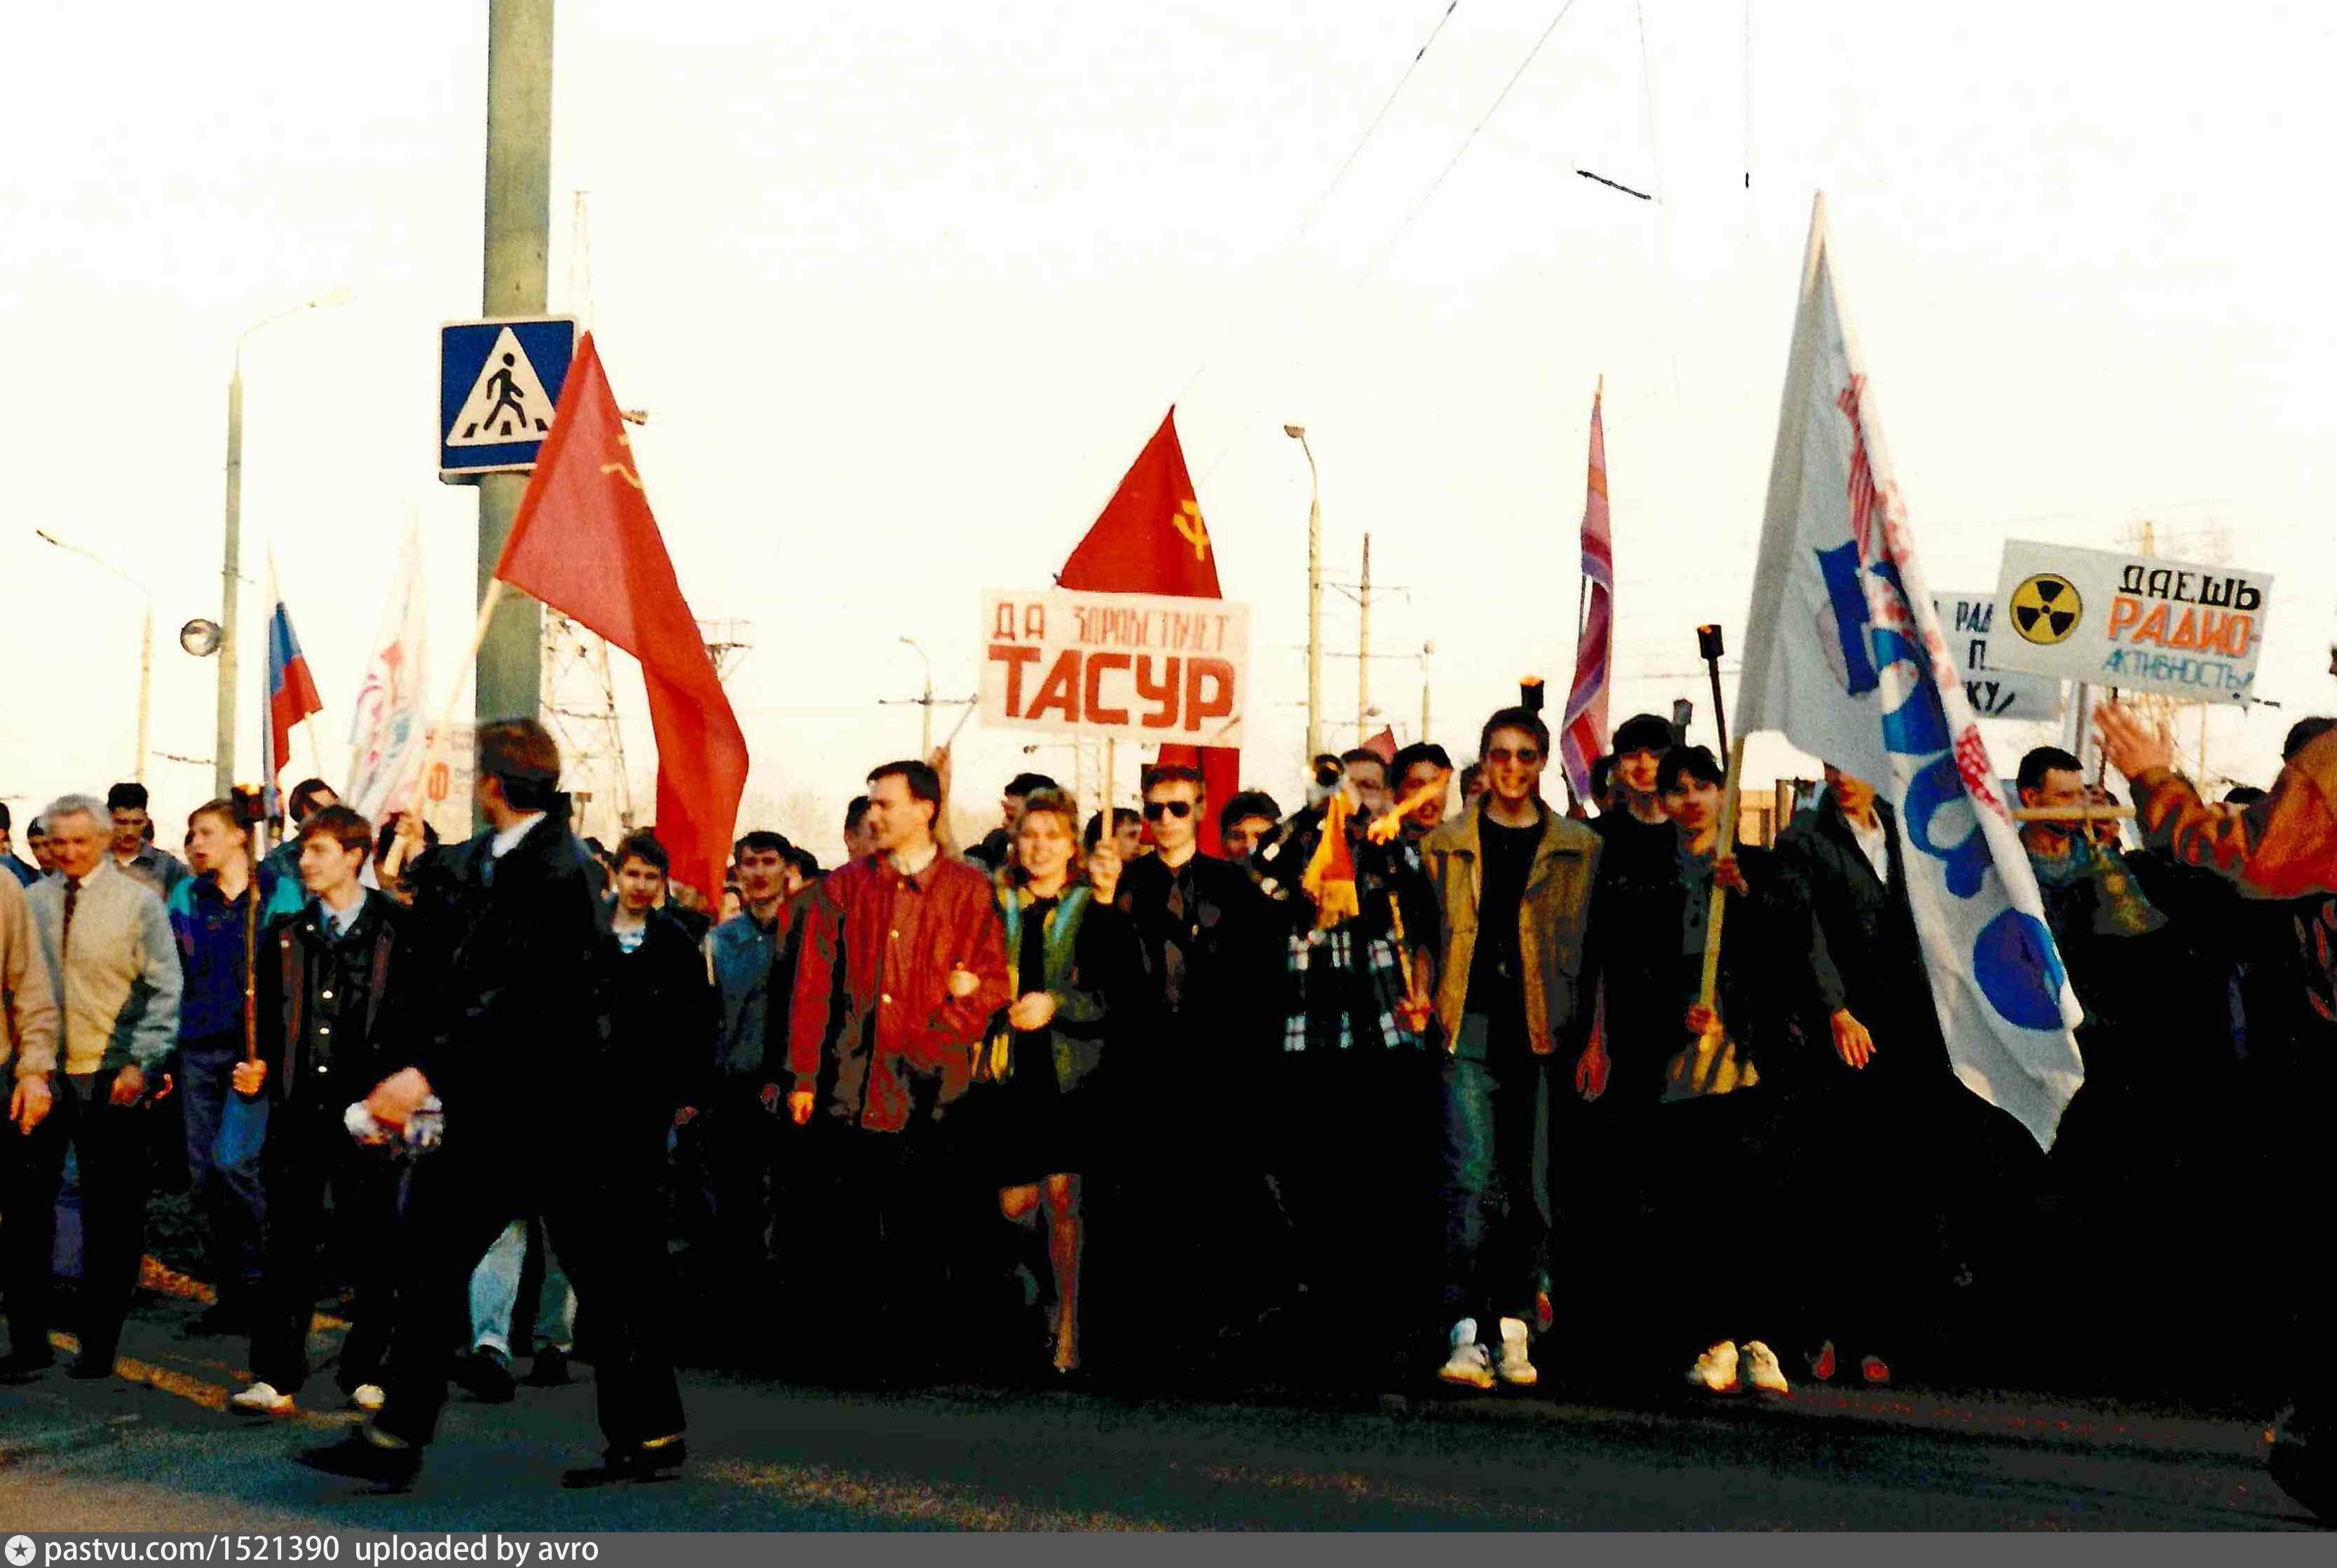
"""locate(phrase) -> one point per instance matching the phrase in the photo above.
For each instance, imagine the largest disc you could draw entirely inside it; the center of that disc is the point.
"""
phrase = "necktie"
(1173, 955)
(65, 935)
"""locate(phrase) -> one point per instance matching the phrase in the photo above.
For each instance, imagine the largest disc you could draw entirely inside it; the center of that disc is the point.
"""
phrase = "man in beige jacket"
(106, 945)
(28, 1055)
(1514, 880)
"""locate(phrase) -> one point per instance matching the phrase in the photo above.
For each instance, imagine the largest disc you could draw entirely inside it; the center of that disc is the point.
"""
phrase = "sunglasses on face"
(1526, 754)
(1156, 810)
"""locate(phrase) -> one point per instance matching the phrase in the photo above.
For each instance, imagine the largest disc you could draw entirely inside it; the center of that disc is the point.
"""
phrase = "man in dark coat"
(510, 940)
(1194, 1190)
(1873, 1086)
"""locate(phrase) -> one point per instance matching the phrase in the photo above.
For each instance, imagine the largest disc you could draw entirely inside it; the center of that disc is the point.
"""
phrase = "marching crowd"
(1429, 1077)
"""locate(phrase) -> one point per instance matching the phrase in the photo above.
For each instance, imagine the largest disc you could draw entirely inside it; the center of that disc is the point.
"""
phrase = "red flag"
(1384, 747)
(1150, 539)
(586, 544)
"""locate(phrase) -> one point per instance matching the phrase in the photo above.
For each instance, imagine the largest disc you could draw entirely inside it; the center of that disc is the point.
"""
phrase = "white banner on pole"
(1846, 655)
(388, 732)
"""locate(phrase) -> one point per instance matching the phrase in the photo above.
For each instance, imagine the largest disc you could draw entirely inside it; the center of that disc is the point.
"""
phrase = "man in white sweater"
(106, 943)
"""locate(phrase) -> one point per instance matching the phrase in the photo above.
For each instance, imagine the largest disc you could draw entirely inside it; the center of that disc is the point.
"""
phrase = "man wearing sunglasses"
(1208, 945)
(1513, 881)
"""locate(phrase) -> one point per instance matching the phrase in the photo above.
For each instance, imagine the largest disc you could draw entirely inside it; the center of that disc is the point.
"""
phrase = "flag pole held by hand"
(1709, 986)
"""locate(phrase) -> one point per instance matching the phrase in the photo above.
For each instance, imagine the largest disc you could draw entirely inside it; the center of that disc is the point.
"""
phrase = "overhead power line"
(1316, 210)
(1467, 142)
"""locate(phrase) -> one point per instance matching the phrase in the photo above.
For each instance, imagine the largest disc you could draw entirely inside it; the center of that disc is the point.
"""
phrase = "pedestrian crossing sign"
(499, 381)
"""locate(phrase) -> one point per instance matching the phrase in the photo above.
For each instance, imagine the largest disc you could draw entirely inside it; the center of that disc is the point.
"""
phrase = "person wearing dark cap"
(134, 850)
(1638, 902)
(991, 853)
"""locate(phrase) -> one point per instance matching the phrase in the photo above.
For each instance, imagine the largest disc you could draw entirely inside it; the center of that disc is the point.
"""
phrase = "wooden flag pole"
(395, 859)
(2073, 813)
(1709, 986)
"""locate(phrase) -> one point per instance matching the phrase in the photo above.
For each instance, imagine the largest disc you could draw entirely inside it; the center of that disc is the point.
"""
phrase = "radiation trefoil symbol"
(2045, 609)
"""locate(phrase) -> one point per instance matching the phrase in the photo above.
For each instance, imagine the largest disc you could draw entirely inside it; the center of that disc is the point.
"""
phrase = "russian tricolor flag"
(292, 689)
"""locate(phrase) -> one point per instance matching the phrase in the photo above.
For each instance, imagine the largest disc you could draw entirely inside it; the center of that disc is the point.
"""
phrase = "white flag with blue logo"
(1844, 654)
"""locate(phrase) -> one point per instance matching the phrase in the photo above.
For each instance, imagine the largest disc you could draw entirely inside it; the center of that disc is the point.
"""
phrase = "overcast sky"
(905, 288)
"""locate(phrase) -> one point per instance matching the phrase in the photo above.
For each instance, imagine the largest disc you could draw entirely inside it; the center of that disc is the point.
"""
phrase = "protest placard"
(2137, 622)
(1142, 666)
(1972, 624)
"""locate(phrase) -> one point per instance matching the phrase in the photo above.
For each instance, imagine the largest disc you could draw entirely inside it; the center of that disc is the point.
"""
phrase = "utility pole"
(518, 236)
(1314, 596)
(925, 735)
(1364, 640)
(230, 580)
(231, 561)
(1425, 650)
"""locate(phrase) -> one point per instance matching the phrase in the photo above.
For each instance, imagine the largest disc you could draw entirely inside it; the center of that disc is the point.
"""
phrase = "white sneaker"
(1714, 1371)
(1469, 1366)
(1516, 1370)
(262, 1399)
(1761, 1370)
(367, 1397)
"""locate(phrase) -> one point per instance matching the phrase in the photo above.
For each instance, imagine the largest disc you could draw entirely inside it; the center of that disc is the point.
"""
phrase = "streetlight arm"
(91, 555)
(337, 294)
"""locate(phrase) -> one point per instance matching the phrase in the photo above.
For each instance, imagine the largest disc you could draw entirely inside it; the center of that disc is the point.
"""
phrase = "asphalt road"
(151, 1449)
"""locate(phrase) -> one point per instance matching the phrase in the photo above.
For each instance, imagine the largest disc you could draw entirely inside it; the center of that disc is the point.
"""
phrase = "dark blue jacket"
(210, 934)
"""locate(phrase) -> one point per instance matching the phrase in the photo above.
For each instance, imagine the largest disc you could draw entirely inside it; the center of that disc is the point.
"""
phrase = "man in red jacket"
(903, 962)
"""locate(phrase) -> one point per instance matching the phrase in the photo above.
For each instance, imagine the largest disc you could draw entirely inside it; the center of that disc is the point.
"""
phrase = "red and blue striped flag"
(1583, 737)
(292, 689)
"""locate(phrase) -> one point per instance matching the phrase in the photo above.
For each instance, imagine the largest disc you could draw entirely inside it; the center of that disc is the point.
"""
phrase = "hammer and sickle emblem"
(627, 475)
(1188, 522)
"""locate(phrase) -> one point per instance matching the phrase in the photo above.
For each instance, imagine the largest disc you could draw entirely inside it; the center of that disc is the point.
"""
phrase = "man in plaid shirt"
(1354, 1152)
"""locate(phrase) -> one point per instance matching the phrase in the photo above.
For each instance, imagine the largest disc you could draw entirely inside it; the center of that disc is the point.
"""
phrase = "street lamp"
(231, 567)
(926, 751)
(1314, 596)
(145, 645)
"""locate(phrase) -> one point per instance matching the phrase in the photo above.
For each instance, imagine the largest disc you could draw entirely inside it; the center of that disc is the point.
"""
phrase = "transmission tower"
(580, 706)
(728, 643)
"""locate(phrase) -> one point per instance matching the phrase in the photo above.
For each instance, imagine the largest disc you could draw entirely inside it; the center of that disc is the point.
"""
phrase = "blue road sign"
(498, 383)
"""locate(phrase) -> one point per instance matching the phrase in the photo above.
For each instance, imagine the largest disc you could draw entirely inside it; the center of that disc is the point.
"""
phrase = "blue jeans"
(494, 1295)
(1496, 1163)
(224, 1133)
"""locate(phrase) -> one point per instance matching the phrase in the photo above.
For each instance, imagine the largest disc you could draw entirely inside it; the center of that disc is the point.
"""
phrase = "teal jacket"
(1089, 956)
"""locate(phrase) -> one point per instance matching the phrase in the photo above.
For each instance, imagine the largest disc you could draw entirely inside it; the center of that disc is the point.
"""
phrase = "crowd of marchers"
(1427, 1079)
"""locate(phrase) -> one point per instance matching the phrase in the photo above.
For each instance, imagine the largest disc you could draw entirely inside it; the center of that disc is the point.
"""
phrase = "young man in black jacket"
(1194, 1189)
(1873, 1087)
(510, 933)
(661, 1007)
(325, 978)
